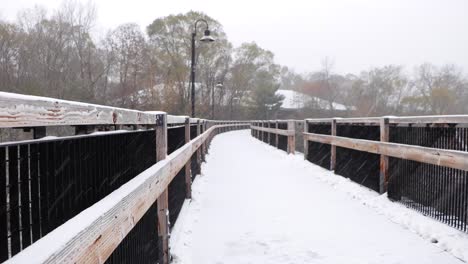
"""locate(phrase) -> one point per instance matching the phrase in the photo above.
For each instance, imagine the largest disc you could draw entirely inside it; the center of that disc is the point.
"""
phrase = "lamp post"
(206, 38)
(219, 85)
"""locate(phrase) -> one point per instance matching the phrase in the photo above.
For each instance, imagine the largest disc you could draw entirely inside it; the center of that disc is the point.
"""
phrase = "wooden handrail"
(441, 157)
(282, 132)
(107, 222)
(18, 110)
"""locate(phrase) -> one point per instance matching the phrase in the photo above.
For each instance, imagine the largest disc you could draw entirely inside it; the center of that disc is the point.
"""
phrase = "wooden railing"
(46, 187)
(421, 161)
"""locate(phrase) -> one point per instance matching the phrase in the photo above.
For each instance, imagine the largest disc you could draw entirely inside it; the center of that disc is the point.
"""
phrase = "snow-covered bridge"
(255, 204)
(131, 187)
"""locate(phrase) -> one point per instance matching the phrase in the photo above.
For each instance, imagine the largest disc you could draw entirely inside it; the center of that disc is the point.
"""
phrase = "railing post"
(306, 142)
(188, 173)
(276, 135)
(198, 150)
(255, 130)
(384, 137)
(203, 146)
(333, 147)
(292, 138)
(261, 132)
(162, 201)
(269, 134)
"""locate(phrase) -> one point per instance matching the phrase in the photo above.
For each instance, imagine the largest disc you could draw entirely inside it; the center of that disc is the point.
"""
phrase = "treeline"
(59, 55)
(388, 90)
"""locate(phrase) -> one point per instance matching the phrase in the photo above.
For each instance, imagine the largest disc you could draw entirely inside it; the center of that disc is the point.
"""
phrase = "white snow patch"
(297, 100)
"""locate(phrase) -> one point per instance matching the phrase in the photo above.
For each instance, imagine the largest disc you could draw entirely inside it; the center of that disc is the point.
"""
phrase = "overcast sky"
(356, 34)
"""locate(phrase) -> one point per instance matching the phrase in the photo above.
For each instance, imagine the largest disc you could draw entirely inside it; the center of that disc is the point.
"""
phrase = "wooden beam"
(306, 143)
(384, 137)
(437, 119)
(188, 172)
(198, 150)
(162, 201)
(291, 137)
(333, 147)
(269, 134)
(274, 131)
(18, 110)
(276, 134)
(447, 158)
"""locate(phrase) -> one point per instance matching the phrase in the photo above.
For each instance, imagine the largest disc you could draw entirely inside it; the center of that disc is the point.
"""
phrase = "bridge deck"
(256, 204)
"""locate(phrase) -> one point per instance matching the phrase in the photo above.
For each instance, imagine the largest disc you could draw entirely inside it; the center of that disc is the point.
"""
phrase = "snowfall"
(256, 204)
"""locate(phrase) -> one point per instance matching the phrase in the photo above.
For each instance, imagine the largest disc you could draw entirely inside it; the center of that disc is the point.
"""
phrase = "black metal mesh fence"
(177, 188)
(44, 183)
(359, 166)
(319, 153)
(272, 139)
(283, 140)
(141, 243)
(436, 191)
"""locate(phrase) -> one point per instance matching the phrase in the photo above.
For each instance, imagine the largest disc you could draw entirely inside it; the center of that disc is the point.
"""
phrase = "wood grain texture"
(447, 158)
(188, 173)
(384, 161)
(273, 130)
(162, 201)
(33, 111)
(440, 119)
(292, 137)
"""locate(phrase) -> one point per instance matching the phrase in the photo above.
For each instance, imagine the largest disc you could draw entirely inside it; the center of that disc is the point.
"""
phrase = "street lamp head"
(207, 36)
(219, 85)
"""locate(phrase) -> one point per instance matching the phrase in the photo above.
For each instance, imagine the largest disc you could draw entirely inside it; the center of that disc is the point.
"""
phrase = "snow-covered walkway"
(256, 204)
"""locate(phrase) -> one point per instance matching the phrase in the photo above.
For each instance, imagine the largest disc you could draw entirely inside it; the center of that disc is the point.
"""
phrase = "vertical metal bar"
(35, 197)
(25, 194)
(14, 199)
(3, 207)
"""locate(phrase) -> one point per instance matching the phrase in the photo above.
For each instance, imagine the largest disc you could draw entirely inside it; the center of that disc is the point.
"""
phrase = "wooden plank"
(162, 201)
(384, 161)
(269, 134)
(358, 120)
(276, 135)
(333, 147)
(199, 160)
(291, 137)
(96, 242)
(306, 143)
(18, 110)
(319, 120)
(173, 119)
(274, 131)
(447, 158)
(443, 119)
(188, 173)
